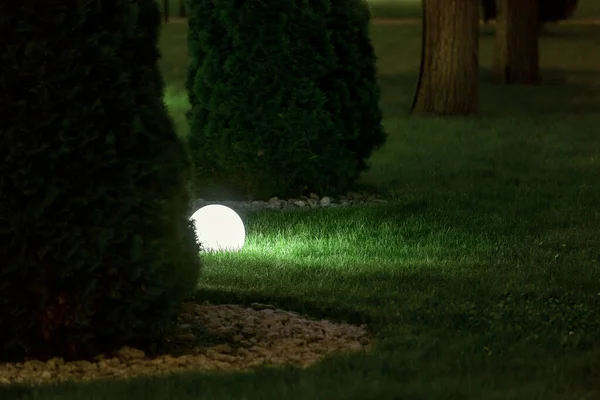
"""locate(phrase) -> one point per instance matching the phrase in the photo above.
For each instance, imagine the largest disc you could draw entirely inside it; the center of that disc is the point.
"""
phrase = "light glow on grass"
(340, 241)
(219, 228)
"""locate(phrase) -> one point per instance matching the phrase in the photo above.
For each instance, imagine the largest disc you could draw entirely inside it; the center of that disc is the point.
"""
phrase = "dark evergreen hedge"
(351, 88)
(95, 246)
(284, 96)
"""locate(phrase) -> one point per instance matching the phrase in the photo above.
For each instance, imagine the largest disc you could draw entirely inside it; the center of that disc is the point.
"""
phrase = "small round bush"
(97, 251)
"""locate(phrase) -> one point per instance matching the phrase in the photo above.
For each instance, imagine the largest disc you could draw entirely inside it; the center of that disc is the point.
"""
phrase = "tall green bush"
(351, 86)
(270, 97)
(96, 248)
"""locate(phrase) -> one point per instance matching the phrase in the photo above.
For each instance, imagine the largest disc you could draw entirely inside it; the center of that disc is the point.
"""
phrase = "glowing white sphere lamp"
(219, 228)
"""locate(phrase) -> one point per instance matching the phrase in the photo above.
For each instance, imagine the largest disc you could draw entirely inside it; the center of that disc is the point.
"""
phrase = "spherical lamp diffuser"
(219, 228)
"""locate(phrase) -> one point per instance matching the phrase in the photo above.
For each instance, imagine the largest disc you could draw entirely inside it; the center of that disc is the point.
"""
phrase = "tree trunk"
(182, 13)
(166, 10)
(516, 52)
(488, 9)
(449, 77)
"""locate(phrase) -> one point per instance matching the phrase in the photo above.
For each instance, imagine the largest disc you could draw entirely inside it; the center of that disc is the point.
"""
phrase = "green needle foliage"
(96, 248)
(284, 97)
(351, 87)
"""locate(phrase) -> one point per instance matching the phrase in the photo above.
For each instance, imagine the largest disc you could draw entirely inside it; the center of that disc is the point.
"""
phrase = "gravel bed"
(210, 338)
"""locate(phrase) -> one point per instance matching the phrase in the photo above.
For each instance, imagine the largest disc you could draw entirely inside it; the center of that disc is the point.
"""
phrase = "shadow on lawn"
(474, 299)
(560, 93)
(422, 332)
(551, 31)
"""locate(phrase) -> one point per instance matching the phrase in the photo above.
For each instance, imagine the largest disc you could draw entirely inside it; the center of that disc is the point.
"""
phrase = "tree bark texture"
(516, 51)
(182, 11)
(449, 77)
(166, 10)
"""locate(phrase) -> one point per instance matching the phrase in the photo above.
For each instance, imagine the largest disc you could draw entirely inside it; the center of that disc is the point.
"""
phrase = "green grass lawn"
(480, 280)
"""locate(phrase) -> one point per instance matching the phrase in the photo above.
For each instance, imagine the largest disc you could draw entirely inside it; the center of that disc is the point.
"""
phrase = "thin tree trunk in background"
(166, 10)
(182, 13)
(488, 10)
(516, 51)
(449, 78)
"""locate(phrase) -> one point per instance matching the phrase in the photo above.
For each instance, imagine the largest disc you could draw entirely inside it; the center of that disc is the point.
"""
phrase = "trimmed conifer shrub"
(271, 97)
(351, 87)
(96, 247)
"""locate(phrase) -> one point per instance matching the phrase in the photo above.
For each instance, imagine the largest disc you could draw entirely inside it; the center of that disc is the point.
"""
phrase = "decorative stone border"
(302, 202)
